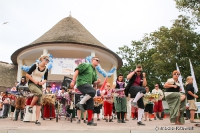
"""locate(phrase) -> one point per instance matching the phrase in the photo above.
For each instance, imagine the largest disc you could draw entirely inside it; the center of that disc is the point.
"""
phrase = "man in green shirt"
(85, 75)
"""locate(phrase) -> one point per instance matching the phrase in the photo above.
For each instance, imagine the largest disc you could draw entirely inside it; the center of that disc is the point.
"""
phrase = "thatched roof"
(8, 75)
(68, 30)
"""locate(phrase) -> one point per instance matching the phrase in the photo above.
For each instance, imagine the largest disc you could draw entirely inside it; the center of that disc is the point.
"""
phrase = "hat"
(63, 88)
(48, 85)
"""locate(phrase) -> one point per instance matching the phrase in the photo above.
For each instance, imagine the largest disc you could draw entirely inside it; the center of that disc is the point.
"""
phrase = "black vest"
(172, 89)
(117, 85)
(130, 83)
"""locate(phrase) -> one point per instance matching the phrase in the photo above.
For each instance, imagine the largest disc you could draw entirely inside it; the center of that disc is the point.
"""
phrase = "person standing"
(97, 106)
(12, 101)
(158, 107)
(191, 97)
(48, 109)
(35, 75)
(6, 105)
(135, 86)
(148, 105)
(108, 103)
(175, 99)
(120, 101)
(85, 75)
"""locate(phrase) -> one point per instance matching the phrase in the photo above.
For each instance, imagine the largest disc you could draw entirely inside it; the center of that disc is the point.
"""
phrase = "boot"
(22, 115)
(91, 123)
(16, 115)
(140, 123)
(123, 121)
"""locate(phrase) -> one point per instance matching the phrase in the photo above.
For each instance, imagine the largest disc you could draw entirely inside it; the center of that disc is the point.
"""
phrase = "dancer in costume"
(62, 97)
(158, 107)
(13, 98)
(135, 86)
(35, 75)
(20, 101)
(85, 75)
(20, 104)
(70, 105)
(175, 99)
(48, 110)
(108, 103)
(148, 102)
(98, 101)
(78, 97)
(120, 101)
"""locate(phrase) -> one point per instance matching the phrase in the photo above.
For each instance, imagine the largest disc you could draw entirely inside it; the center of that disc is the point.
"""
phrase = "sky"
(114, 23)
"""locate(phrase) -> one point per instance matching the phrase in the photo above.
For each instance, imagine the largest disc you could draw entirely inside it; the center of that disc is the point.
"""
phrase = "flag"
(104, 84)
(180, 79)
(193, 76)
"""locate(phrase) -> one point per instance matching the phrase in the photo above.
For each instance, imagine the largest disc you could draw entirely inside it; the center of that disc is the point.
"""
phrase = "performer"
(86, 76)
(137, 80)
(158, 107)
(78, 97)
(97, 103)
(62, 95)
(148, 105)
(19, 107)
(23, 82)
(120, 101)
(13, 98)
(191, 97)
(48, 110)
(108, 103)
(70, 105)
(175, 99)
(35, 75)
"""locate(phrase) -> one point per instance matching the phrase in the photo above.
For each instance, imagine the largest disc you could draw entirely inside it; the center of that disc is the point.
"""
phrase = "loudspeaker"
(66, 82)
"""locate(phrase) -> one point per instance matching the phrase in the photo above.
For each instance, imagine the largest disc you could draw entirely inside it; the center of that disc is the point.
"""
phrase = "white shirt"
(158, 91)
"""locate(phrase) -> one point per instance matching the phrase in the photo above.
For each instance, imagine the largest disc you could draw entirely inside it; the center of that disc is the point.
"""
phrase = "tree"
(159, 51)
(192, 6)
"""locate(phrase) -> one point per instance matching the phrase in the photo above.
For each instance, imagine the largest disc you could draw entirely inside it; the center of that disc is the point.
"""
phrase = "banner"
(180, 79)
(193, 76)
(65, 66)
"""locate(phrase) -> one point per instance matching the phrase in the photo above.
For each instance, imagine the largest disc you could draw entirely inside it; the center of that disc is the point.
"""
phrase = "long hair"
(23, 83)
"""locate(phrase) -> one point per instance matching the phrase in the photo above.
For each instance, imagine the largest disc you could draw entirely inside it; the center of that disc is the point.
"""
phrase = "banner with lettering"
(65, 66)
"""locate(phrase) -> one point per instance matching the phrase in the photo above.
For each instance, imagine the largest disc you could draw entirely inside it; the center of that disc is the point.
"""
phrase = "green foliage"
(159, 51)
(192, 6)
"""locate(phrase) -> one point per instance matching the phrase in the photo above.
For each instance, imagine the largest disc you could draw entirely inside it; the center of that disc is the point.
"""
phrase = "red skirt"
(158, 107)
(107, 108)
(48, 111)
(134, 112)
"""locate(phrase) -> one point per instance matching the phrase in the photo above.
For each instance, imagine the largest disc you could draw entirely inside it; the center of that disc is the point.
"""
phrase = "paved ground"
(63, 126)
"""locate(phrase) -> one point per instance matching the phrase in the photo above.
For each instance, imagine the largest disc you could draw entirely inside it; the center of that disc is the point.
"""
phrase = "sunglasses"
(177, 74)
(156, 86)
(97, 60)
(139, 71)
(46, 60)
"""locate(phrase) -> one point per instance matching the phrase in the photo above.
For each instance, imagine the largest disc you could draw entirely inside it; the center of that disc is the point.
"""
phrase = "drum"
(98, 101)
(49, 99)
